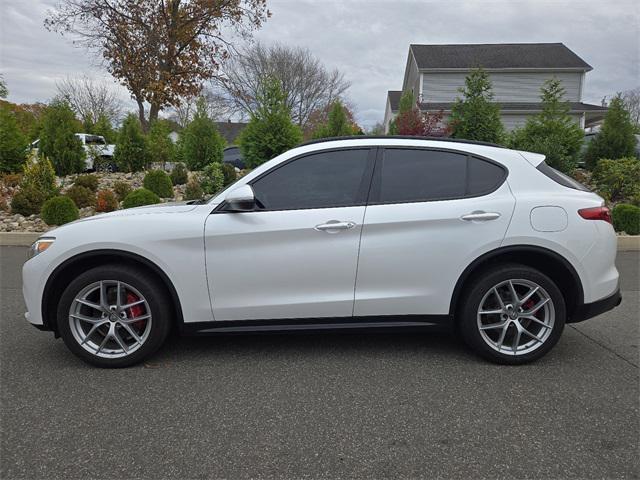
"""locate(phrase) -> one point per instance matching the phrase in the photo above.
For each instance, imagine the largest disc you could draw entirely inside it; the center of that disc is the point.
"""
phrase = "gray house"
(435, 73)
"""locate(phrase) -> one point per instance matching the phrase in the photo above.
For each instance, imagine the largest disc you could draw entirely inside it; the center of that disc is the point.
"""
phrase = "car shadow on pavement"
(201, 349)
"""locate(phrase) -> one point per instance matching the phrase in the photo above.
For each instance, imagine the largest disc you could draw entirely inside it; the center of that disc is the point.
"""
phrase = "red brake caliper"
(135, 311)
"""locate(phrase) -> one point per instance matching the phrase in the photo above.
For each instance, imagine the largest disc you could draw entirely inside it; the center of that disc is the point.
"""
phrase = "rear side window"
(561, 178)
(418, 175)
(320, 180)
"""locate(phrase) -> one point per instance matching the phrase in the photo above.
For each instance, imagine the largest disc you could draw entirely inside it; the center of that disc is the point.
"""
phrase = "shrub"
(193, 190)
(338, 123)
(106, 201)
(122, 189)
(212, 178)
(131, 153)
(39, 174)
(140, 197)
(159, 183)
(58, 141)
(81, 196)
(11, 180)
(161, 148)
(270, 131)
(626, 218)
(28, 201)
(617, 180)
(179, 174)
(87, 181)
(59, 210)
(229, 173)
(13, 145)
(616, 138)
(200, 143)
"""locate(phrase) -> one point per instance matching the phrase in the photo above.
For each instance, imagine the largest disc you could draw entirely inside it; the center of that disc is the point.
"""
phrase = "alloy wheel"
(516, 317)
(110, 319)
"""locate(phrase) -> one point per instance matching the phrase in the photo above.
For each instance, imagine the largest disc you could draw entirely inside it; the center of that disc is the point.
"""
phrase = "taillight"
(596, 213)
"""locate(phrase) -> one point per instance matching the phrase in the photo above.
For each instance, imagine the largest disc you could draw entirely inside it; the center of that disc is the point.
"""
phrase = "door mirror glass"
(240, 199)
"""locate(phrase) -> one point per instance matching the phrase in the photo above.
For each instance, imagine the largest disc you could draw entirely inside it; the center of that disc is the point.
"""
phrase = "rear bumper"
(590, 310)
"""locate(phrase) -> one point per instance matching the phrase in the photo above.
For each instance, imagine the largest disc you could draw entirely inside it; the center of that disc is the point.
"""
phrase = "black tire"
(151, 289)
(480, 285)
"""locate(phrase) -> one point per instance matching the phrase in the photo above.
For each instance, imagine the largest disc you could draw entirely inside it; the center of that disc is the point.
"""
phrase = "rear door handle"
(480, 216)
(334, 225)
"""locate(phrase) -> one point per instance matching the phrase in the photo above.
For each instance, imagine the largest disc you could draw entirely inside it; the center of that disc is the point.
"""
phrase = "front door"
(296, 255)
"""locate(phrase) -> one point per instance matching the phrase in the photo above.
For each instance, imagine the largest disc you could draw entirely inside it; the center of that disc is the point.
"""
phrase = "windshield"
(94, 140)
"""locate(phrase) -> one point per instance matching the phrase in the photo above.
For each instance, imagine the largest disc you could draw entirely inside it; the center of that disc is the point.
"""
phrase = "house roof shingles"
(501, 55)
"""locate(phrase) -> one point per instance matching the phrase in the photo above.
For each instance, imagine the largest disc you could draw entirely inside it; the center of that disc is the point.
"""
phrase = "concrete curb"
(626, 243)
(629, 243)
(18, 239)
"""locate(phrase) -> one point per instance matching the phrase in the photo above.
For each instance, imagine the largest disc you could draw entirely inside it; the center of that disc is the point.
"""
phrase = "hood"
(171, 207)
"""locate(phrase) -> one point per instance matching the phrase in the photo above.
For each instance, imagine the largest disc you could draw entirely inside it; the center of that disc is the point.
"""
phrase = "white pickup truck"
(95, 148)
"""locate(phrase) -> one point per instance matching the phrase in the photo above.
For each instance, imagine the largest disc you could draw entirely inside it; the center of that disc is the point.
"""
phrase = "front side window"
(419, 175)
(319, 180)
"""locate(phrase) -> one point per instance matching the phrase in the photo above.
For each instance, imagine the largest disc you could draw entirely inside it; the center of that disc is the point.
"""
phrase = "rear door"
(430, 213)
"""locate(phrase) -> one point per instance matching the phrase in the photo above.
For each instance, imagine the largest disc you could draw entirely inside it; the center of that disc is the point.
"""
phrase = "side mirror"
(240, 199)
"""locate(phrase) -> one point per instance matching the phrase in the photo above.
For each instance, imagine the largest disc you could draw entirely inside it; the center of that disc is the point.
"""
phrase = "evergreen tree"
(616, 138)
(161, 148)
(200, 142)
(104, 128)
(270, 131)
(552, 132)
(58, 141)
(131, 153)
(13, 145)
(475, 116)
(405, 107)
(338, 123)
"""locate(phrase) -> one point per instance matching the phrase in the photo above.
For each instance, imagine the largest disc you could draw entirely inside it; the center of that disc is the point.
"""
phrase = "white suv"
(348, 233)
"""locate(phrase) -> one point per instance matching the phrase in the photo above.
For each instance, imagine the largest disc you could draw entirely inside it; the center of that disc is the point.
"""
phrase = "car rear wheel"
(512, 314)
(114, 316)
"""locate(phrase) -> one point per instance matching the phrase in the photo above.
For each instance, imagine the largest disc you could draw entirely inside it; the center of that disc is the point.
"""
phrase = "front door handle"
(333, 226)
(480, 216)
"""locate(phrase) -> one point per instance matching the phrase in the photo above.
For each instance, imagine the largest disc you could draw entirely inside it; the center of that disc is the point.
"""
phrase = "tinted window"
(419, 175)
(483, 176)
(327, 179)
(422, 175)
(561, 178)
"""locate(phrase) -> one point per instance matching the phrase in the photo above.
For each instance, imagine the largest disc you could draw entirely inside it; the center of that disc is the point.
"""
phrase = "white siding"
(507, 86)
(413, 78)
(517, 120)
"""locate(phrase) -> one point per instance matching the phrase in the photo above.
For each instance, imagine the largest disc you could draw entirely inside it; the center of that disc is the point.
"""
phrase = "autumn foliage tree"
(160, 50)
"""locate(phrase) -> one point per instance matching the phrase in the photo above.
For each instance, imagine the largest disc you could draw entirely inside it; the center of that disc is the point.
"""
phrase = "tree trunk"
(143, 120)
(154, 109)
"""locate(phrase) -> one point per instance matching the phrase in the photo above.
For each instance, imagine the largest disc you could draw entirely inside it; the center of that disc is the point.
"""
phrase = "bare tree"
(217, 109)
(308, 86)
(90, 99)
(631, 100)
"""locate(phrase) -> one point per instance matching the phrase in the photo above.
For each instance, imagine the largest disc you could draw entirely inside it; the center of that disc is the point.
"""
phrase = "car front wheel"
(114, 316)
(512, 314)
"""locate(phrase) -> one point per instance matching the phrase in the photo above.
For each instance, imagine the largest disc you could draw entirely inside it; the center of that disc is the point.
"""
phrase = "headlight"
(40, 246)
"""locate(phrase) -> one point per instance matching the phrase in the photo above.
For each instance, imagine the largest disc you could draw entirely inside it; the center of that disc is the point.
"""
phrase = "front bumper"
(590, 310)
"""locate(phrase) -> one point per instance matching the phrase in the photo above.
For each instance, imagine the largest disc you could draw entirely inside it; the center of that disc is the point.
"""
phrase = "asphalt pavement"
(322, 406)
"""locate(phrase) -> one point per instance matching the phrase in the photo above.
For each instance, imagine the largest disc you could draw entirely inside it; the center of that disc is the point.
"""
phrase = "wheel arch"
(552, 264)
(57, 281)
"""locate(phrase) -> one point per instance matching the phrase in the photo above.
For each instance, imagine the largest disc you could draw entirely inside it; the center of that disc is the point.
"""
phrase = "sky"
(366, 40)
